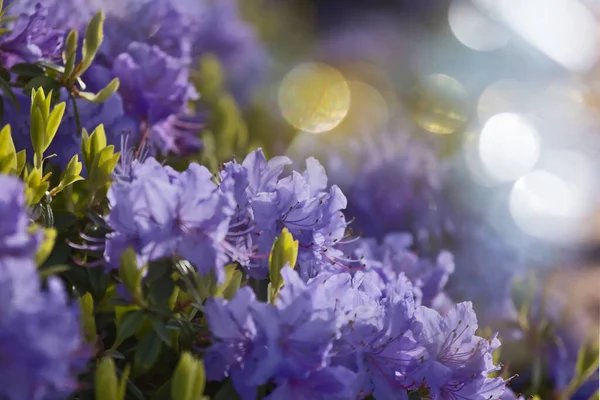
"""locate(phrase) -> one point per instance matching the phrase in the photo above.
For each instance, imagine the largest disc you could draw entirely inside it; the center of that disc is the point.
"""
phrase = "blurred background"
(472, 124)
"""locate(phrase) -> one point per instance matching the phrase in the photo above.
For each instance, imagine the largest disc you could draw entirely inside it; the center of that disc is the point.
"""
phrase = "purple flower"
(66, 14)
(202, 216)
(300, 332)
(455, 362)
(374, 319)
(188, 30)
(300, 202)
(142, 215)
(326, 383)
(178, 134)
(15, 239)
(40, 338)
(163, 213)
(31, 38)
(397, 190)
(238, 349)
(392, 257)
(156, 23)
(154, 85)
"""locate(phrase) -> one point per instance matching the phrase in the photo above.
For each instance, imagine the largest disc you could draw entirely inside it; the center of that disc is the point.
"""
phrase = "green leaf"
(27, 70)
(70, 174)
(161, 330)
(130, 324)
(86, 305)
(70, 54)
(97, 140)
(130, 275)
(98, 281)
(102, 95)
(105, 380)
(147, 352)
(234, 281)
(189, 379)
(46, 83)
(21, 161)
(161, 289)
(121, 390)
(46, 246)
(587, 359)
(284, 252)
(53, 122)
(8, 153)
(86, 148)
(37, 134)
(209, 77)
(93, 39)
(53, 270)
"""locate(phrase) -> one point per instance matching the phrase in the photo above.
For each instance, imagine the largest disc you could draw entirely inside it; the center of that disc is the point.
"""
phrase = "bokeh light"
(314, 97)
(440, 104)
(552, 201)
(564, 30)
(368, 111)
(509, 146)
(502, 96)
(473, 29)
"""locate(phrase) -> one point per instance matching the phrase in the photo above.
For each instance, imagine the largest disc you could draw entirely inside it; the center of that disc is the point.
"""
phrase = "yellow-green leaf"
(105, 381)
(53, 123)
(284, 252)
(37, 134)
(8, 153)
(21, 161)
(102, 95)
(86, 305)
(69, 54)
(93, 39)
(46, 247)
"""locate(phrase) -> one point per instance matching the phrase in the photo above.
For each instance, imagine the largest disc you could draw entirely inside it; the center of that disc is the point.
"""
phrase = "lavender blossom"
(40, 339)
(30, 38)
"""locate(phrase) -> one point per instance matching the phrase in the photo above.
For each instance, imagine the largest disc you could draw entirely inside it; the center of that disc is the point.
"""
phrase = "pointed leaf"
(105, 380)
(93, 39)
(21, 161)
(27, 70)
(37, 133)
(69, 54)
(147, 352)
(102, 95)
(53, 123)
(46, 247)
(8, 153)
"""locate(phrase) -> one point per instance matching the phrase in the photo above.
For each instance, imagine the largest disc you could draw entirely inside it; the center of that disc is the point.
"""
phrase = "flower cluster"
(341, 336)
(160, 212)
(163, 213)
(300, 202)
(151, 47)
(30, 38)
(40, 338)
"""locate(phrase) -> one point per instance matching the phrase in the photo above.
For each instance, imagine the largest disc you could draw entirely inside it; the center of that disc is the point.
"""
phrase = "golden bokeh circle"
(439, 104)
(314, 97)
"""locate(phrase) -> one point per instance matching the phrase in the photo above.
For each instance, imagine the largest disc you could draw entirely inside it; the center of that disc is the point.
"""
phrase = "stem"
(76, 113)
